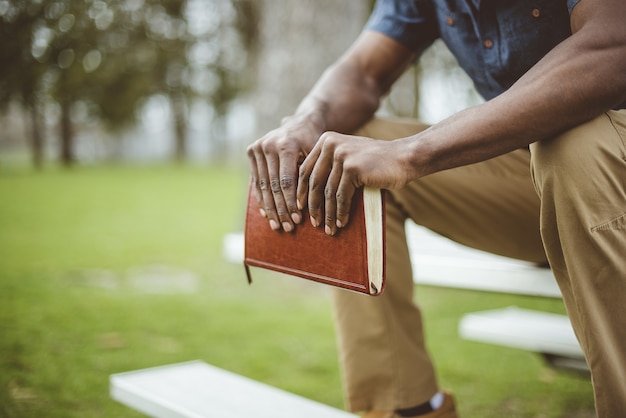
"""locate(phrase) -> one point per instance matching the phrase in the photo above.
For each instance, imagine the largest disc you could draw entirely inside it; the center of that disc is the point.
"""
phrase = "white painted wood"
(196, 389)
(438, 261)
(540, 332)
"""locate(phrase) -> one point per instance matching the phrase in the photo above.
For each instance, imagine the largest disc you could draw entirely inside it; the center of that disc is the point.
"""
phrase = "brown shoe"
(379, 414)
(447, 410)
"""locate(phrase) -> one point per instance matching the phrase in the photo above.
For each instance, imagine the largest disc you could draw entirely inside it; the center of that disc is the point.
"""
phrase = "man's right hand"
(274, 160)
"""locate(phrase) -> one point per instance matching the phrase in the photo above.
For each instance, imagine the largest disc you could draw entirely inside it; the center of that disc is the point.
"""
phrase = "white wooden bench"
(196, 389)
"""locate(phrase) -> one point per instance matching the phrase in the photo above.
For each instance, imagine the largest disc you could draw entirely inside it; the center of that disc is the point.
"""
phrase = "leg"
(491, 206)
(581, 178)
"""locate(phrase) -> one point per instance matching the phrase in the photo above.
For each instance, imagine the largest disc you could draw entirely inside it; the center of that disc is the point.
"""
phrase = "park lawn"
(78, 246)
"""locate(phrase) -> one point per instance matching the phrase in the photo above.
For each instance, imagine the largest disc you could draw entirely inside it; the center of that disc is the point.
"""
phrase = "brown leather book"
(353, 259)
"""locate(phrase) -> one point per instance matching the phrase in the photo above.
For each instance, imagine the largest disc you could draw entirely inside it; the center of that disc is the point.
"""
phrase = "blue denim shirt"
(494, 41)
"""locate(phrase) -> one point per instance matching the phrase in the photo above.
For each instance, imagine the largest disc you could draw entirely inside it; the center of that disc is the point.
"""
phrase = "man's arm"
(346, 96)
(579, 79)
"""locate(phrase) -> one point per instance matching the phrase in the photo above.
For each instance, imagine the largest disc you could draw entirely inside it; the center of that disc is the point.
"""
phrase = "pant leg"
(491, 206)
(581, 178)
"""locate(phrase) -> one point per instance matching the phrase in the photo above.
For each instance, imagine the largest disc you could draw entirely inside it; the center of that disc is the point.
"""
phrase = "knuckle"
(341, 153)
(267, 147)
(341, 199)
(350, 169)
(255, 147)
(262, 184)
(275, 185)
(329, 194)
(284, 144)
(327, 136)
(286, 182)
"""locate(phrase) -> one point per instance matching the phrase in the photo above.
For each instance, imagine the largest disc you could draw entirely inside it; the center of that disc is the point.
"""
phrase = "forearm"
(341, 101)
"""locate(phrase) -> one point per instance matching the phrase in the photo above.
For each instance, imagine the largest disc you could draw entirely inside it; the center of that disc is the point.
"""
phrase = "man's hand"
(345, 97)
(274, 169)
(338, 165)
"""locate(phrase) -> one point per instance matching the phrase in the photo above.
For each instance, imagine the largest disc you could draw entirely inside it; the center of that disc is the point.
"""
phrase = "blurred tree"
(104, 58)
(20, 72)
(297, 41)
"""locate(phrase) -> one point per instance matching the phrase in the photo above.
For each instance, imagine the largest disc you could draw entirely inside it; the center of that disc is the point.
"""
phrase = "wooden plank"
(196, 389)
(438, 261)
(540, 332)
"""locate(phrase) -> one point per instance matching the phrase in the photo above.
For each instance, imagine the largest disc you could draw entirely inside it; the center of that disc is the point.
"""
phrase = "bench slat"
(196, 389)
(438, 261)
(541, 332)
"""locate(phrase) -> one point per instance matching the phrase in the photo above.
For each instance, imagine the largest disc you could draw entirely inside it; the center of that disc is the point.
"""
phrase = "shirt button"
(536, 13)
(450, 21)
(488, 43)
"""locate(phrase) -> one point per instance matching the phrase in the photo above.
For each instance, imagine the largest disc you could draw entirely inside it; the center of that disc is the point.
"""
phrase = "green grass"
(72, 311)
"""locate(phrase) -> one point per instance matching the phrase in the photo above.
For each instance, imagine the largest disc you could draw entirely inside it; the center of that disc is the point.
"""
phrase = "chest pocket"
(497, 41)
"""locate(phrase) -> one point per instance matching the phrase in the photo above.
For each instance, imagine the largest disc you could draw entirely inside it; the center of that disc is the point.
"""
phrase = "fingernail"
(299, 204)
(339, 224)
(263, 214)
(287, 227)
(314, 222)
(296, 218)
(274, 225)
(328, 230)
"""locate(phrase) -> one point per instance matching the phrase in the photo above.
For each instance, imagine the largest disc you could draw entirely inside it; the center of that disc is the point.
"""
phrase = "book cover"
(353, 259)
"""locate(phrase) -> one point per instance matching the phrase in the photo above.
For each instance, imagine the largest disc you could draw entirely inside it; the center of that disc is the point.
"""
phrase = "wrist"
(311, 112)
(418, 156)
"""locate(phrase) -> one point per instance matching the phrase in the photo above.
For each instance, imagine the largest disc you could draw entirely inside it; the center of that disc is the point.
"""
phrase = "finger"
(262, 184)
(330, 198)
(280, 214)
(254, 179)
(288, 184)
(304, 174)
(344, 196)
(317, 180)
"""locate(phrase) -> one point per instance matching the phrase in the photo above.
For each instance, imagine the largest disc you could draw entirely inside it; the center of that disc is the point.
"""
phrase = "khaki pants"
(494, 206)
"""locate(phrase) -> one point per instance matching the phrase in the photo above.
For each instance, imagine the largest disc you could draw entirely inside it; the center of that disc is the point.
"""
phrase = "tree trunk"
(67, 137)
(297, 41)
(36, 142)
(179, 110)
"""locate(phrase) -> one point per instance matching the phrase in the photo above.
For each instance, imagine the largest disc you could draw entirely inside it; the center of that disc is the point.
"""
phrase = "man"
(537, 172)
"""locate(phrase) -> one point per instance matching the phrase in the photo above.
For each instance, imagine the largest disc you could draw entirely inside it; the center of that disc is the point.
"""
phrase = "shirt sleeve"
(571, 4)
(411, 23)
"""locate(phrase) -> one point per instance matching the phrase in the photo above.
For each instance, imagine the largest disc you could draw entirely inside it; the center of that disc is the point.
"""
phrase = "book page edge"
(373, 207)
